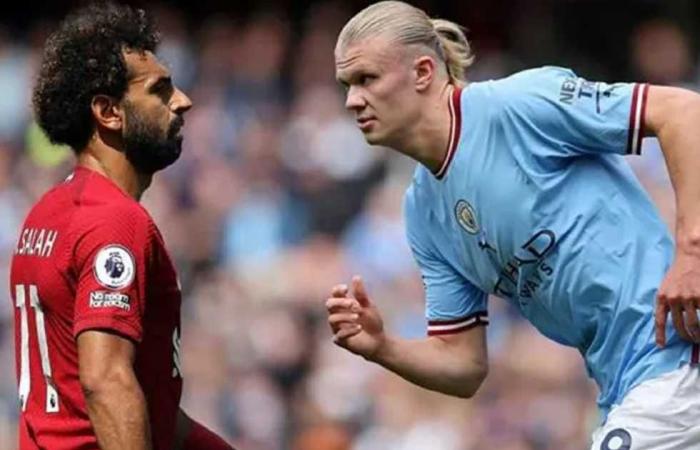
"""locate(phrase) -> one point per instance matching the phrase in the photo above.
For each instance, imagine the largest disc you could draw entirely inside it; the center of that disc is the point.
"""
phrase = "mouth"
(365, 123)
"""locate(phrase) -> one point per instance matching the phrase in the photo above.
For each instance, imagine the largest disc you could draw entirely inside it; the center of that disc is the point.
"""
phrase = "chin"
(374, 138)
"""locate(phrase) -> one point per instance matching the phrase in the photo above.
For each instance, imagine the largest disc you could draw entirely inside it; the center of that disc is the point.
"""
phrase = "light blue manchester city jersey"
(535, 204)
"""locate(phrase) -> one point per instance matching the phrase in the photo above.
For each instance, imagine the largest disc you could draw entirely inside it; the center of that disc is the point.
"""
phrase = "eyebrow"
(348, 76)
(341, 80)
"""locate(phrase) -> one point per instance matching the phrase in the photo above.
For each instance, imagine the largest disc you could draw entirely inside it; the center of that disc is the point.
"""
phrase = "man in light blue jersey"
(522, 192)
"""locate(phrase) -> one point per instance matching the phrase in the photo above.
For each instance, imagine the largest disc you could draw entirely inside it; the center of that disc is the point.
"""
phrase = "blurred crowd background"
(277, 198)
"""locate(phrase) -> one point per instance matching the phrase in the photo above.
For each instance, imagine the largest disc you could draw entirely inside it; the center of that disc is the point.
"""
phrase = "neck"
(428, 139)
(112, 163)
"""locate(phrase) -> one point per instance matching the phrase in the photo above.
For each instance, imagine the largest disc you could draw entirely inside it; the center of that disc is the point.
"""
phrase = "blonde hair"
(407, 25)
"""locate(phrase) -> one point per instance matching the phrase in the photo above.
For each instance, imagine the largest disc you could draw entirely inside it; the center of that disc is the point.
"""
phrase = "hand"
(680, 294)
(355, 322)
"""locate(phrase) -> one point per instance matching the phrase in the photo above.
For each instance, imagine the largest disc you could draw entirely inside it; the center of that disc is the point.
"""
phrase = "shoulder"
(531, 91)
(120, 221)
(128, 215)
(82, 204)
(544, 73)
(117, 232)
(547, 80)
(494, 97)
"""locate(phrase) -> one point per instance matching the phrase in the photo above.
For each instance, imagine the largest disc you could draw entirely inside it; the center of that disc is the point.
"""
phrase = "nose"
(180, 103)
(354, 101)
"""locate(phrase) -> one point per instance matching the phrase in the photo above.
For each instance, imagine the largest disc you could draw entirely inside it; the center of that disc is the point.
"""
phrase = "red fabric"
(202, 438)
(82, 219)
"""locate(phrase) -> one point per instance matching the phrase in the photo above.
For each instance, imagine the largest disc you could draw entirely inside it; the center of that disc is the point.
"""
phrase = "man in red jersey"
(96, 296)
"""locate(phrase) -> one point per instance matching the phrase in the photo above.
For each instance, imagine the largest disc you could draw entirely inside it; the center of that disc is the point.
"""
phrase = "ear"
(107, 112)
(424, 70)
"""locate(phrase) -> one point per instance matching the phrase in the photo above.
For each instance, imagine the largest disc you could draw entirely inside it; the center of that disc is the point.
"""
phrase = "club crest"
(466, 217)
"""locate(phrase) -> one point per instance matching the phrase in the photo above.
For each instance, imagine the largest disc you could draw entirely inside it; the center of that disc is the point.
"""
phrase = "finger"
(677, 316)
(339, 318)
(691, 320)
(660, 319)
(335, 304)
(339, 290)
(358, 290)
(345, 333)
(340, 326)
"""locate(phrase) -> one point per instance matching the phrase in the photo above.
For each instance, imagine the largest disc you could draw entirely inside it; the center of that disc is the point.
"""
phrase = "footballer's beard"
(145, 146)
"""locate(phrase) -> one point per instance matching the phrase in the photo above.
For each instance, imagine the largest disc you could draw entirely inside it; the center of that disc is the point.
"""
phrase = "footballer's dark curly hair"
(84, 58)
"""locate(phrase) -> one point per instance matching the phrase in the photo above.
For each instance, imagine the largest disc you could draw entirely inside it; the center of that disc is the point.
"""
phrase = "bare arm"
(673, 115)
(453, 364)
(115, 401)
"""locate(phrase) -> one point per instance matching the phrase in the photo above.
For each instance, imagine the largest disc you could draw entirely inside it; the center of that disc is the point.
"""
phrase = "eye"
(163, 88)
(365, 79)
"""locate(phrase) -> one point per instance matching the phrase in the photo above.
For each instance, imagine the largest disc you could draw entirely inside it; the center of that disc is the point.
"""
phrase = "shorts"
(659, 414)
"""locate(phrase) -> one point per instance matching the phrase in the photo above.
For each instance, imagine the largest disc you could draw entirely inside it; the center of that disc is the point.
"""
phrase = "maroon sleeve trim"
(440, 327)
(635, 131)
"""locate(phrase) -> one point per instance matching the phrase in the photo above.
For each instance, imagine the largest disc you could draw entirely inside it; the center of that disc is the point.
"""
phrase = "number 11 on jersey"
(25, 376)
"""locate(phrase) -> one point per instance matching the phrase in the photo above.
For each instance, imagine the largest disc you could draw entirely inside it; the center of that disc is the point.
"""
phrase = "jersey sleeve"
(112, 256)
(452, 303)
(574, 115)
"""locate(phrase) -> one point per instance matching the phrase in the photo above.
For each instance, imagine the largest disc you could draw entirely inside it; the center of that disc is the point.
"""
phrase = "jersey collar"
(454, 105)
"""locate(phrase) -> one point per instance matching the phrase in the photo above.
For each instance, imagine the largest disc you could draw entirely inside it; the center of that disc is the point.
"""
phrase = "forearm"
(119, 415)
(433, 364)
(677, 128)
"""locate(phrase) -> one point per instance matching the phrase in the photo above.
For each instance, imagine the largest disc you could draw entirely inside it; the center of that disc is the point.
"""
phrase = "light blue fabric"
(539, 207)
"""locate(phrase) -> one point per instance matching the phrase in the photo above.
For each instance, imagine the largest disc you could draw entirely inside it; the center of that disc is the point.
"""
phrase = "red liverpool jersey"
(90, 257)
